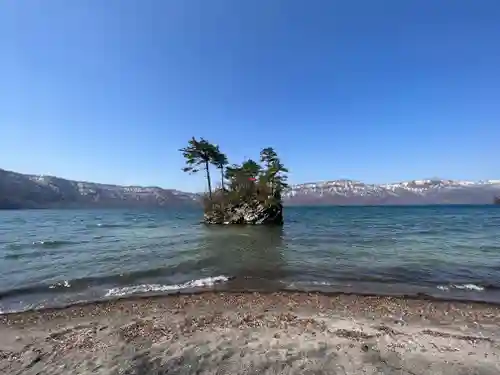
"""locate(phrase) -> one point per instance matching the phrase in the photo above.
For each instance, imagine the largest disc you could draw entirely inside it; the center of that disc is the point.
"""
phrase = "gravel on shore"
(254, 333)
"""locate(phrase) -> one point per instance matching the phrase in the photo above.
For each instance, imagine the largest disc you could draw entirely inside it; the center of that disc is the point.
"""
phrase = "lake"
(58, 257)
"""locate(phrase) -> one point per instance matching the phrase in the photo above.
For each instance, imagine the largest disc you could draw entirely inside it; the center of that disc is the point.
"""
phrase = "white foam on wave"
(299, 284)
(445, 288)
(48, 242)
(325, 283)
(473, 287)
(64, 284)
(145, 288)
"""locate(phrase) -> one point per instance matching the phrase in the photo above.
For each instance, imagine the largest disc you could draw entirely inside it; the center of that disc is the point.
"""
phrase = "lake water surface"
(57, 257)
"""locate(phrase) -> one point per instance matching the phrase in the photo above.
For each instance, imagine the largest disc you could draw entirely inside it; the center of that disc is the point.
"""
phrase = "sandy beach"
(254, 333)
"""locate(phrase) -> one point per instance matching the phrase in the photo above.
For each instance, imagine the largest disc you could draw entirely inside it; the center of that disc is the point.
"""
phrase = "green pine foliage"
(248, 182)
(199, 154)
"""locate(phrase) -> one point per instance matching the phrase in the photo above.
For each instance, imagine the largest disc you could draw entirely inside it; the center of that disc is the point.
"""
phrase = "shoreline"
(139, 301)
(440, 295)
(298, 332)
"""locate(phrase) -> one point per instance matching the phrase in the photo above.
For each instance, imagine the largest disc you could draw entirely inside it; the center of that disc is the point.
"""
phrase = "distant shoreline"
(32, 191)
(170, 208)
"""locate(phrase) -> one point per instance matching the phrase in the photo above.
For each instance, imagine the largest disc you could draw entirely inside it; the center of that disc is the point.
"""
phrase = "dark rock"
(254, 213)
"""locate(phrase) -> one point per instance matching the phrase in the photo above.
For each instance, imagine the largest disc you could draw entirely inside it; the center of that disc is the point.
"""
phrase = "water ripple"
(74, 255)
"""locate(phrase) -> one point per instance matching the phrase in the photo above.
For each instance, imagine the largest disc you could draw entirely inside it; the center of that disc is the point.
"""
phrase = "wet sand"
(254, 333)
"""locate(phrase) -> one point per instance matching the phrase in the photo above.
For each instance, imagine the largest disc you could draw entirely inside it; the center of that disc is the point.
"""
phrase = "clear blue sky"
(379, 91)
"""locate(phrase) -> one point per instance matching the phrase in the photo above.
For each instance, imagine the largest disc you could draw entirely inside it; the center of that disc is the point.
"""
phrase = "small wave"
(57, 287)
(108, 225)
(302, 284)
(472, 287)
(37, 244)
(51, 244)
(19, 255)
(63, 284)
(145, 288)
(384, 287)
(326, 283)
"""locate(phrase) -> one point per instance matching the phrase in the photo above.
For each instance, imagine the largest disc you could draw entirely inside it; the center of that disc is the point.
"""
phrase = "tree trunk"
(208, 180)
(222, 177)
(271, 180)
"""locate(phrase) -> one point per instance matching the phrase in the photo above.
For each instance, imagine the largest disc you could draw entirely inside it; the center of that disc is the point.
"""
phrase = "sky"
(377, 91)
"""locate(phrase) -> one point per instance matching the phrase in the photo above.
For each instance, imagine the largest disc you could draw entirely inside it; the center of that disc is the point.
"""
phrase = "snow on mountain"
(31, 191)
(34, 191)
(426, 191)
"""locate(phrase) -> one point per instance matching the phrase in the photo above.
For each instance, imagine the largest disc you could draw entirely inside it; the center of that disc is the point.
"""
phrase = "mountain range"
(31, 191)
(34, 191)
(414, 192)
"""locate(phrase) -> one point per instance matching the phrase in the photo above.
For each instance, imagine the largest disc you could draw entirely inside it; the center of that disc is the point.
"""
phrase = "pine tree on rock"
(251, 168)
(199, 154)
(220, 161)
(249, 194)
(275, 170)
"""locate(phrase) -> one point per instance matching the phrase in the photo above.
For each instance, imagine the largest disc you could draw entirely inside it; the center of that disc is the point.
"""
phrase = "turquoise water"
(57, 257)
